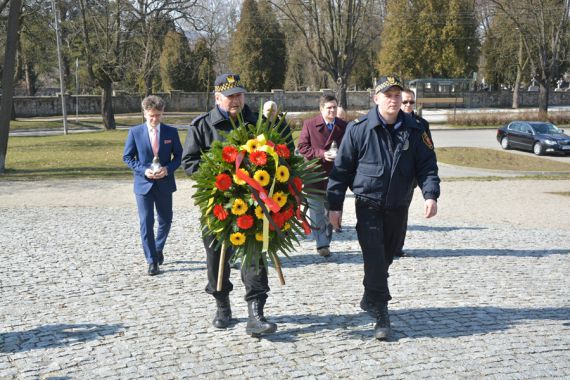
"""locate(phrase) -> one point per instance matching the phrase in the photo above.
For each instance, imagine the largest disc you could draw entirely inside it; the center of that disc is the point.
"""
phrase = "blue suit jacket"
(138, 156)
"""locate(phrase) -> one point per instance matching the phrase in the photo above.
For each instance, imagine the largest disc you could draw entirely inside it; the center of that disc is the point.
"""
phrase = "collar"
(148, 127)
(375, 119)
(217, 115)
(224, 114)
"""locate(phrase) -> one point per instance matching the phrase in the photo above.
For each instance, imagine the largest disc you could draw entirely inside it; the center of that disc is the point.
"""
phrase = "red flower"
(279, 220)
(288, 214)
(298, 183)
(223, 182)
(220, 212)
(229, 153)
(282, 151)
(258, 158)
(245, 222)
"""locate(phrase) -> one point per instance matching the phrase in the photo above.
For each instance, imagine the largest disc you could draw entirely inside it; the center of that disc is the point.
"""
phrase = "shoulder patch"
(427, 141)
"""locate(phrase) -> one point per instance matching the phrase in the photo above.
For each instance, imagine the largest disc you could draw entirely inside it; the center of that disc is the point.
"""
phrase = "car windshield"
(546, 128)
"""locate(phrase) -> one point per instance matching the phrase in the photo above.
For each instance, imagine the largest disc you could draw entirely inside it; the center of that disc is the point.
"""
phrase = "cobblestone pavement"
(478, 296)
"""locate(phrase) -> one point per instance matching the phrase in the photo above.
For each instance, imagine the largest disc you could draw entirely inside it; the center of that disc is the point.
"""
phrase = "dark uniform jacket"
(315, 139)
(364, 163)
(206, 128)
(203, 131)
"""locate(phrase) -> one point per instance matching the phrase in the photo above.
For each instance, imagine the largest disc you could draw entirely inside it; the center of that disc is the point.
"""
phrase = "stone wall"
(290, 101)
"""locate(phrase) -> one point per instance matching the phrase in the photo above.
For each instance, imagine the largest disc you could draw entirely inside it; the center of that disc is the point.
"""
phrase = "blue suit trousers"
(146, 204)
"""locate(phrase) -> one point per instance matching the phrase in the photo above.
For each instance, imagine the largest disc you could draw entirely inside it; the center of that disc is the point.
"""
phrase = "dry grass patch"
(498, 160)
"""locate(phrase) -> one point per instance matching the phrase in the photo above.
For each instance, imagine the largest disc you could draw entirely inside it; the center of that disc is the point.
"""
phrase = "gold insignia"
(231, 79)
(427, 140)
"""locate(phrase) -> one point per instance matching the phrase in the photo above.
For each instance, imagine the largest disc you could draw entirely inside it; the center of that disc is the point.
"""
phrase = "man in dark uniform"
(380, 156)
(408, 106)
(204, 130)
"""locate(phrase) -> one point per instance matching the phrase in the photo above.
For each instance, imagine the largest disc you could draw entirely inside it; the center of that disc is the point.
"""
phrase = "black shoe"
(153, 269)
(160, 257)
(223, 315)
(382, 327)
(257, 325)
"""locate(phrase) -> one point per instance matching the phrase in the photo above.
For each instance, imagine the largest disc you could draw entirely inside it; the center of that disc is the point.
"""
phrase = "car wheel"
(538, 149)
(505, 143)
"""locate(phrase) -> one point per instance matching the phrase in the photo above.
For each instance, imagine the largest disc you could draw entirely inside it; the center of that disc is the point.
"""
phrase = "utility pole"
(59, 60)
(77, 91)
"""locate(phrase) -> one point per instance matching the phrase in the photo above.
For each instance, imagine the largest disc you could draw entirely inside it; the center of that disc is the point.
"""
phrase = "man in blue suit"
(153, 151)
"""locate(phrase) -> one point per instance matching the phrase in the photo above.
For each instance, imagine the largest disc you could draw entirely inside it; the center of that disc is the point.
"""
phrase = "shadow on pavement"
(355, 257)
(485, 252)
(349, 233)
(439, 322)
(50, 336)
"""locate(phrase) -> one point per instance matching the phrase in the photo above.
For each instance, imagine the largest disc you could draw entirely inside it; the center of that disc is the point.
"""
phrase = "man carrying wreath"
(203, 131)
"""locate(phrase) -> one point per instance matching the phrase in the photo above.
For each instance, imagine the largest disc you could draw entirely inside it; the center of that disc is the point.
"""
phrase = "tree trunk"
(6, 103)
(341, 92)
(148, 84)
(543, 101)
(107, 111)
(519, 75)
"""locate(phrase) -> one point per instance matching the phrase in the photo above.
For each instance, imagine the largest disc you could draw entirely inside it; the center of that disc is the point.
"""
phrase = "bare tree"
(8, 77)
(543, 27)
(335, 33)
(215, 21)
(152, 20)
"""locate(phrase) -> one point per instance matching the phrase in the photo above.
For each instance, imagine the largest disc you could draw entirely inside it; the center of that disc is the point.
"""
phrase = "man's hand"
(335, 217)
(163, 172)
(149, 174)
(430, 208)
(329, 156)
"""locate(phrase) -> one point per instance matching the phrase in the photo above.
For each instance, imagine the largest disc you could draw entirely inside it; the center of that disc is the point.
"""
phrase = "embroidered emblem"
(427, 140)
(168, 141)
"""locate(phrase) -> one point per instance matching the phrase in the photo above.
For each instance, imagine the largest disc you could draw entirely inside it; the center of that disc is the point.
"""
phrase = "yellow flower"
(258, 236)
(280, 198)
(237, 238)
(282, 174)
(252, 145)
(286, 226)
(262, 177)
(239, 207)
(258, 212)
(238, 181)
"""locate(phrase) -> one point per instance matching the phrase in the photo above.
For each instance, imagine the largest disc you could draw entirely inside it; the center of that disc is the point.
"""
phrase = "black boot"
(256, 323)
(223, 313)
(382, 327)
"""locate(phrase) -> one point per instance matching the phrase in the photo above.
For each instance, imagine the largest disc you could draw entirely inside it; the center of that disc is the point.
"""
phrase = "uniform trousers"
(379, 233)
(255, 281)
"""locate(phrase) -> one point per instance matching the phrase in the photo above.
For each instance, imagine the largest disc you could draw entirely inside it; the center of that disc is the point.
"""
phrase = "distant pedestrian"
(380, 156)
(153, 151)
(408, 106)
(320, 138)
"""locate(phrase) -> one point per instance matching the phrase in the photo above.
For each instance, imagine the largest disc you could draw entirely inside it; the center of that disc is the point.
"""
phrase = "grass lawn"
(93, 121)
(498, 160)
(99, 155)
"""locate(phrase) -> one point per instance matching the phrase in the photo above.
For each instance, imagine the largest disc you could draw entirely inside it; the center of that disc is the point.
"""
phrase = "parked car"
(536, 136)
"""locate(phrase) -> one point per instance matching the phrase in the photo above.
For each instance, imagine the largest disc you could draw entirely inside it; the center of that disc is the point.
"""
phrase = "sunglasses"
(409, 102)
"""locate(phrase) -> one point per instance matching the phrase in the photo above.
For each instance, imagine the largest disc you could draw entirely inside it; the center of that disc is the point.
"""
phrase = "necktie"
(154, 141)
(330, 126)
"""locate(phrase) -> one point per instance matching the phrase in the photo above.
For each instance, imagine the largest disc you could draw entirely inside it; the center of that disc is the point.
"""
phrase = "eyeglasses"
(409, 102)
